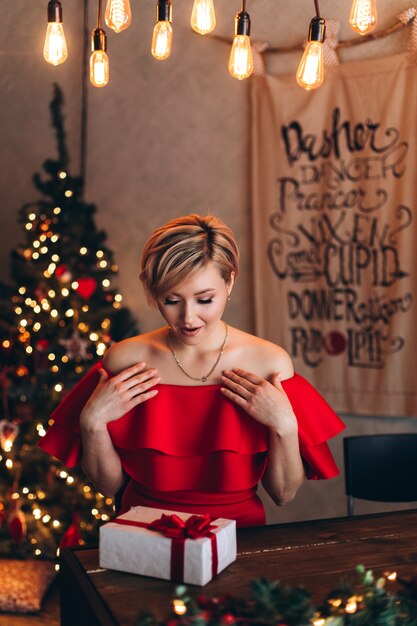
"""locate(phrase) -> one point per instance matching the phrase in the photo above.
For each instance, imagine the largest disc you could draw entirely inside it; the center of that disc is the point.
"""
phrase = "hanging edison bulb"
(363, 16)
(55, 49)
(99, 61)
(310, 73)
(162, 33)
(203, 16)
(240, 60)
(118, 15)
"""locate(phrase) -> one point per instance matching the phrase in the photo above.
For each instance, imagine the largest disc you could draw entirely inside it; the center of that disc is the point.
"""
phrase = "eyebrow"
(198, 293)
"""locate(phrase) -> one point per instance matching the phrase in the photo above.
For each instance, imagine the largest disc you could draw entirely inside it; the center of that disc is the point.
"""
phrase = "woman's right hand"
(115, 396)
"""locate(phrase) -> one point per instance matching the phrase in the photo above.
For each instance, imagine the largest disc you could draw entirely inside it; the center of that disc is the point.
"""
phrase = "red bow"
(175, 528)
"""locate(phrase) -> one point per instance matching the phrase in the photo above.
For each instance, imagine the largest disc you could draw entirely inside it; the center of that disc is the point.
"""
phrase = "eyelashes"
(173, 302)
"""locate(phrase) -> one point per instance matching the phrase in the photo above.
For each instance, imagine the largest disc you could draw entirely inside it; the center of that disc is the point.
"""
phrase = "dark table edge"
(86, 587)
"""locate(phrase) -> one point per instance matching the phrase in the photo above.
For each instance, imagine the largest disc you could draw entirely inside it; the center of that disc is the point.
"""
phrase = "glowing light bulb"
(363, 16)
(162, 33)
(203, 16)
(162, 41)
(179, 606)
(240, 61)
(99, 61)
(55, 49)
(118, 15)
(351, 605)
(310, 73)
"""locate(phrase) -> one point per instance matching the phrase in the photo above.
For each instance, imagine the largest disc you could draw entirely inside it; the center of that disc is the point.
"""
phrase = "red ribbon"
(178, 530)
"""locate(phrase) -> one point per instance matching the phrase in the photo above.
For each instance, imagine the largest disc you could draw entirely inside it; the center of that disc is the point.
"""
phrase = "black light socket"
(164, 11)
(54, 11)
(98, 40)
(242, 23)
(317, 29)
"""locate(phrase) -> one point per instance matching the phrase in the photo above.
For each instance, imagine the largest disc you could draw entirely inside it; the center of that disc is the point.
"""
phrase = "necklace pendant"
(203, 380)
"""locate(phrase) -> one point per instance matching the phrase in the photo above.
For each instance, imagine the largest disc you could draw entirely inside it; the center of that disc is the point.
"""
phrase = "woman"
(192, 415)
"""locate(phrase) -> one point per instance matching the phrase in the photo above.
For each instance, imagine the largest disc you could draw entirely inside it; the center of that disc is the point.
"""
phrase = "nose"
(188, 314)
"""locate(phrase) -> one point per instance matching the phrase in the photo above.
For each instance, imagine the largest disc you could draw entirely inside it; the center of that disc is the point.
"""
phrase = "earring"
(228, 297)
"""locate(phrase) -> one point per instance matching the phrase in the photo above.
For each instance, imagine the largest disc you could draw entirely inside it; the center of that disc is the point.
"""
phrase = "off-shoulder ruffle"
(189, 421)
(185, 421)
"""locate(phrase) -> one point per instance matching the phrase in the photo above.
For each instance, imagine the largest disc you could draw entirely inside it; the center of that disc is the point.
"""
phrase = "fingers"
(240, 377)
(233, 384)
(130, 371)
(132, 386)
(234, 397)
(133, 376)
(143, 386)
(142, 397)
(244, 375)
(140, 378)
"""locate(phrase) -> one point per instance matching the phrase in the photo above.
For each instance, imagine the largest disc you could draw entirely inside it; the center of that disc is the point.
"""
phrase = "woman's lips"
(190, 332)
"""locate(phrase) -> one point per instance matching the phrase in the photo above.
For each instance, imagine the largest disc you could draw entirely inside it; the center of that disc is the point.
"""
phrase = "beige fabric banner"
(334, 194)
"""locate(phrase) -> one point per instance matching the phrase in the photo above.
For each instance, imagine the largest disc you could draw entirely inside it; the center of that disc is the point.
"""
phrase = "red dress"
(191, 449)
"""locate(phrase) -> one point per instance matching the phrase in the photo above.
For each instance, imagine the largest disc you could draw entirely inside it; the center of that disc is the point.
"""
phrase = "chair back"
(382, 468)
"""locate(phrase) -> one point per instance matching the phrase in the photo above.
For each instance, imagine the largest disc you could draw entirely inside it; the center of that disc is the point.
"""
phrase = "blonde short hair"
(182, 247)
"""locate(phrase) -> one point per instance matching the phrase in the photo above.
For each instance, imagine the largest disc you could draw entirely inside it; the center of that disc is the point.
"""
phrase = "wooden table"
(316, 554)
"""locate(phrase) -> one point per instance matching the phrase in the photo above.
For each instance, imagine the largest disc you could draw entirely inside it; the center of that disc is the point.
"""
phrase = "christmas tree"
(57, 320)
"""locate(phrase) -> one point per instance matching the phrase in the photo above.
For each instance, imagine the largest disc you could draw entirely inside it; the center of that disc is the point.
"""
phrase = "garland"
(368, 603)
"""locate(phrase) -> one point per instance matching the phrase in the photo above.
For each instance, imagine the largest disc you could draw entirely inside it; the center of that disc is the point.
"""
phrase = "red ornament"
(41, 357)
(227, 619)
(8, 433)
(63, 274)
(61, 269)
(42, 345)
(71, 537)
(16, 523)
(86, 287)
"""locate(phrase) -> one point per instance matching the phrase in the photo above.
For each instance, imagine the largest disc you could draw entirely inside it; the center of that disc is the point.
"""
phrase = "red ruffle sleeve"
(317, 423)
(63, 438)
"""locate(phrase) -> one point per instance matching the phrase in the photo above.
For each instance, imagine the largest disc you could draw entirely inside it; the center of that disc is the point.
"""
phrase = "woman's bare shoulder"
(130, 351)
(267, 357)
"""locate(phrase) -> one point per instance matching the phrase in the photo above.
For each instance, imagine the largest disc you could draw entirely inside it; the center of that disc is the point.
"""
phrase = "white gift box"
(139, 550)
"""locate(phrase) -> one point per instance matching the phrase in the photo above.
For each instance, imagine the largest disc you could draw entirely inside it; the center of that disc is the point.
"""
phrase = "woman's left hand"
(265, 401)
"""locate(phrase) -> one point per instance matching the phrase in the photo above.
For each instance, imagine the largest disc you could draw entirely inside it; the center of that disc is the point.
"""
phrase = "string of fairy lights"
(41, 246)
(60, 303)
(118, 17)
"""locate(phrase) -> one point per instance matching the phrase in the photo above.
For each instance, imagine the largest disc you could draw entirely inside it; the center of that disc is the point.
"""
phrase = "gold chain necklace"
(203, 379)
